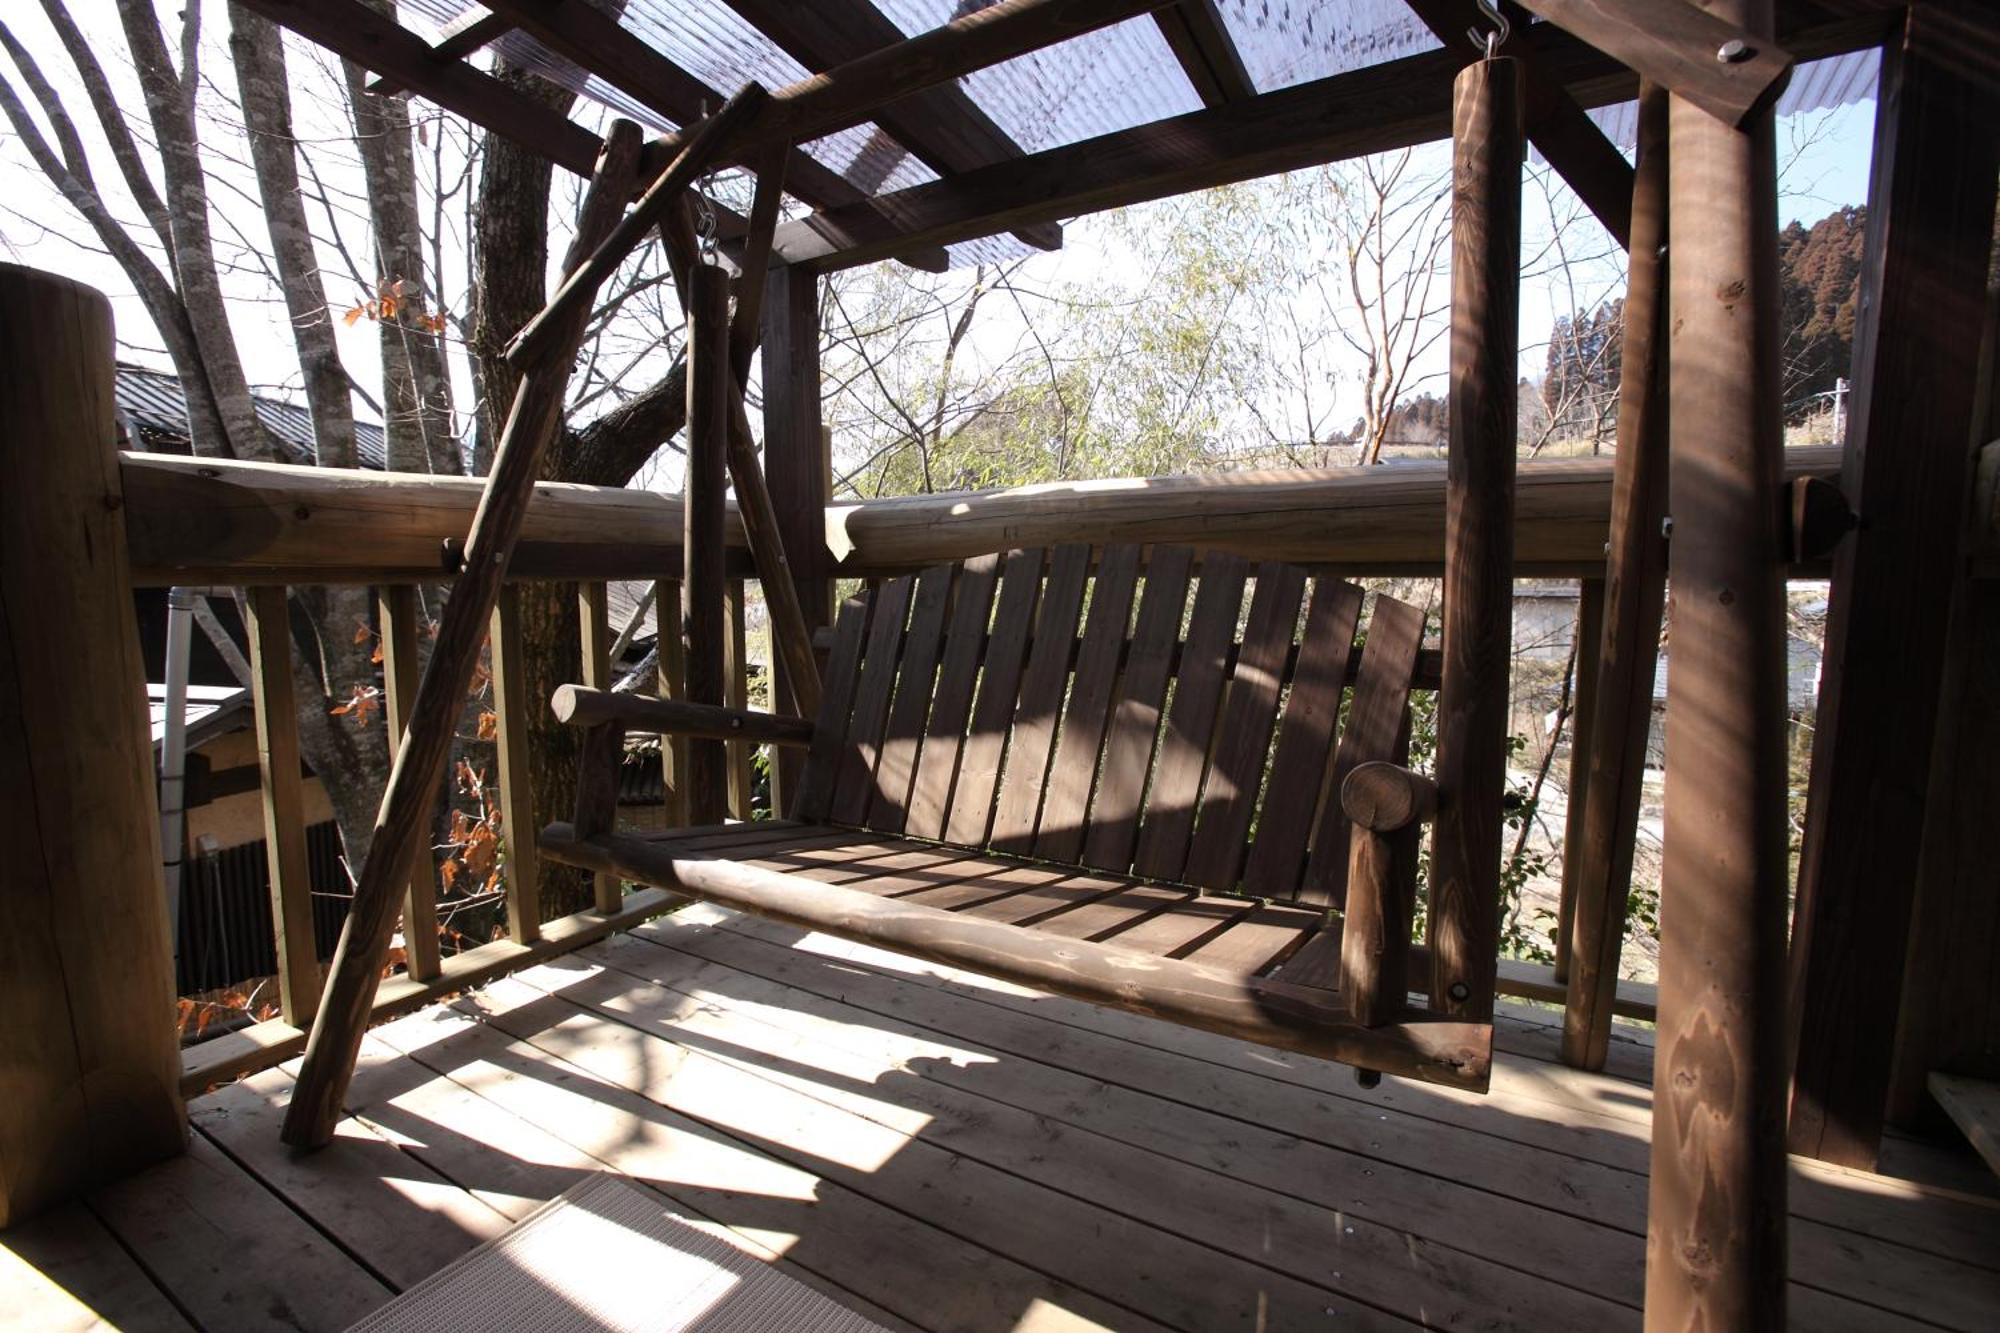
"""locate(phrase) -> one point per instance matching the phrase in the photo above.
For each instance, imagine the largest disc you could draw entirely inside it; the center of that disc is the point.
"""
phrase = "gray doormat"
(608, 1255)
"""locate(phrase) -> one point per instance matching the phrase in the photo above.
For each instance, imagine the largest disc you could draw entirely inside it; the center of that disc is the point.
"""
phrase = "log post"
(667, 621)
(396, 615)
(1908, 470)
(1479, 538)
(335, 1040)
(710, 385)
(1715, 1241)
(513, 743)
(594, 621)
(736, 667)
(92, 1082)
(796, 469)
(1587, 652)
(1600, 866)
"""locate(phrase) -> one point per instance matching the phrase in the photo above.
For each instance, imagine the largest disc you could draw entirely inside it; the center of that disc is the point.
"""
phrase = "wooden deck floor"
(942, 1152)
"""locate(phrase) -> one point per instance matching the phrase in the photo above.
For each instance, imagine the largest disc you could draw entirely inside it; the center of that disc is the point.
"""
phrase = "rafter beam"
(595, 41)
(1378, 108)
(1200, 41)
(469, 32)
(1701, 58)
(853, 92)
(942, 125)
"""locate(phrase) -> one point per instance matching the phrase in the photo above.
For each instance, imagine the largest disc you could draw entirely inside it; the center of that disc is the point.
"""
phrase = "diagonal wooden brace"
(1727, 71)
(420, 764)
(700, 149)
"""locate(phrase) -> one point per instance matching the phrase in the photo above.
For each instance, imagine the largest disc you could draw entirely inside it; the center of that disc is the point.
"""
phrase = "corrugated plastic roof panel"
(1816, 85)
(1285, 42)
(1098, 83)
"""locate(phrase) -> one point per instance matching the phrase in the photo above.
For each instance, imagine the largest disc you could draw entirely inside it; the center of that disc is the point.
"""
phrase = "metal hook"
(1489, 42)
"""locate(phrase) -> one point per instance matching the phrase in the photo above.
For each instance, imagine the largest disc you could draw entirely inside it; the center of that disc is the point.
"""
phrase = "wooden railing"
(266, 527)
(430, 972)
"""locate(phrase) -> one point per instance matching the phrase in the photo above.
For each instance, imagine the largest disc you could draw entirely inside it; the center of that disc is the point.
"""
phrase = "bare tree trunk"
(416, 386)
(352, 762)
(170, 100)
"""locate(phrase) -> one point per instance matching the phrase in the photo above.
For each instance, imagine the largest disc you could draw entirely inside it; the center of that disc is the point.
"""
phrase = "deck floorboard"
(942, 1151)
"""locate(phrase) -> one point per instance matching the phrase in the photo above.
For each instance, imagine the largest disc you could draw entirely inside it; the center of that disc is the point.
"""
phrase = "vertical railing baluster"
(736, 676)
(594, 616)
(673, 685)
(396, 611)
(284, 805)
(517, 805)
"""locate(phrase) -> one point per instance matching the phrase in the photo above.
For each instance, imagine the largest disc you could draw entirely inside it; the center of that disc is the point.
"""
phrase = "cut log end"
(1385, 797)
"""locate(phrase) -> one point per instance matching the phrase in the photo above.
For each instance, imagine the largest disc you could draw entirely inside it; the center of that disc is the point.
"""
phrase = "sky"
(1823, 158)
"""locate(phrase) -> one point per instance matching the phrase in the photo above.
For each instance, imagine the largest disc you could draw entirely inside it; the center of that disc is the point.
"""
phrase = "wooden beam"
(696, 151)
(283, 792)
(854, 91)
(420, 764)
(711, 385)
(595, 41)
(1908, 470)
(1488, 137)
(469, 32)
(1635, 594)
(1392, 105)
(86, 973)
(736, 666)
(1587, 161)
(1274, 1013)
(1715, 1240)
(356, 32)
(1726, 70)
(671, 680)
(941, 125)
(1201, 43)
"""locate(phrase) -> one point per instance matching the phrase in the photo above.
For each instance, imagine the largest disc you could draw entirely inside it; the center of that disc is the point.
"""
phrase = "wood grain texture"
(916, 685)
(282, 788)
(1588, 650)
(522, 877)
(711, 386)
(1715, 1240)
(1184, 744)
(1374, 722)
(1243, 736)
(1706, 61)
(965, 643)
(88, 1053)
(396, 613)
(1463, 922)
(1300, 764)
(1134, 718)
(999, 690)
(1908, 470)
(854, 784)
(843, 672)
(1635, 595)
(1044, 680)
(1072, 776)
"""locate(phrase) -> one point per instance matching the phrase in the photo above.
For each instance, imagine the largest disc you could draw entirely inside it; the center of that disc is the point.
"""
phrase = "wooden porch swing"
(988, 789)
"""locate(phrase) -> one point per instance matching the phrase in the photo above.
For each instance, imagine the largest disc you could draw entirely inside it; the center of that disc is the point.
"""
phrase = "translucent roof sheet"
(1103, 81)
(1284, 42)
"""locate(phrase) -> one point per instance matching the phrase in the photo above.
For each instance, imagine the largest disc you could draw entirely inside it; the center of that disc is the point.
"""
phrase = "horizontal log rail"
(581, 706)
(204, 521)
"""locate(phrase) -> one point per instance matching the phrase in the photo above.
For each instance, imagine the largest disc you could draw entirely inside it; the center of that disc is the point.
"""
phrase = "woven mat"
(608, 1255)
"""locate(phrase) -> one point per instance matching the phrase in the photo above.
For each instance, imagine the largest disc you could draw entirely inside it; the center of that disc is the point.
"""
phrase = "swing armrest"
(581, 706)
(1384, 797)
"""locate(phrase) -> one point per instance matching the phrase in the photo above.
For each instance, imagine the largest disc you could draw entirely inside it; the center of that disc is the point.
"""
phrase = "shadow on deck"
(941, 1151)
